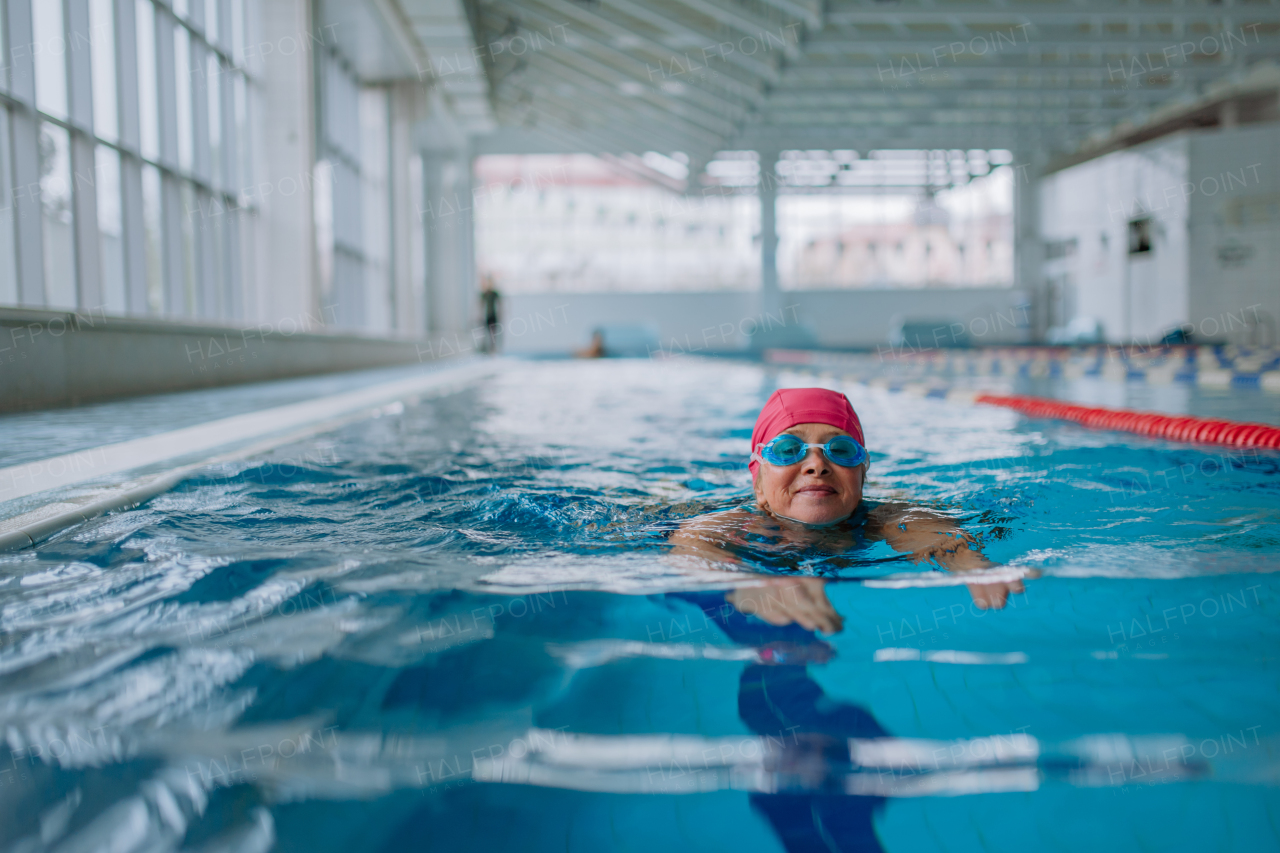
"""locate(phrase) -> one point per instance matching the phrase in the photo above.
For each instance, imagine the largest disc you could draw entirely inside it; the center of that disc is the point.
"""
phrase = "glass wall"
(575, 224)
(880, 219)
(886, 218)
(961, 236)
(339, 201)
(123, 132)
(375, 165)
(57, 219)
(8, 195)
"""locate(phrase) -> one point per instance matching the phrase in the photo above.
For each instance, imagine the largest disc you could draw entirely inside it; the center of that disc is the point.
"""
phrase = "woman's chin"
(822, 513)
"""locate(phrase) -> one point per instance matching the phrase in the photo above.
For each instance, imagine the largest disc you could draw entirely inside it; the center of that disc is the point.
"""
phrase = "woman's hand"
(993, 596)
(783, 600)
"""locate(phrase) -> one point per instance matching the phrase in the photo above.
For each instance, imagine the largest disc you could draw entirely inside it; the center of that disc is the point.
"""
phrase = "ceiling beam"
(1062, 14)
(867, 138)
(836, 98)
(749, 25)
(584, 141)
(858, 73)
(812, 17)
(952, 116)
(583, 17)
(620, 116)
(565, 123)
(702, 40)
(632, 166)
(623, 64)
(712, 126)
(1016, 43)
(649, 99)
(709, 111)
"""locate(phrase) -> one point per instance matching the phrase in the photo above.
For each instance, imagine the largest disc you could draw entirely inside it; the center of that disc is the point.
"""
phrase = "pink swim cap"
(790, 406)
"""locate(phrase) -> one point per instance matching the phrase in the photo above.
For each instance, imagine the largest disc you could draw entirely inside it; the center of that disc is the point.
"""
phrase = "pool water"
(459, 626)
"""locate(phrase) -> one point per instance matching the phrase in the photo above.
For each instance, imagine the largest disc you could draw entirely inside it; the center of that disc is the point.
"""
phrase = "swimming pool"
(456, 626)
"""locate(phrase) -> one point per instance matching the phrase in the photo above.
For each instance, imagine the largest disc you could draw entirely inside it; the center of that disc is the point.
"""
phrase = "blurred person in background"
(490, 299)
(595, 349)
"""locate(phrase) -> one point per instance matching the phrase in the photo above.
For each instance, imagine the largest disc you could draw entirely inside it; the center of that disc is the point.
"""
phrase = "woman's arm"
(928, 536)
(777, 600)
(933, 537)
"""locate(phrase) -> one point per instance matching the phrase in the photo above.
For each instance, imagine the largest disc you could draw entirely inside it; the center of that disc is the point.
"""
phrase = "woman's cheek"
(778, 497)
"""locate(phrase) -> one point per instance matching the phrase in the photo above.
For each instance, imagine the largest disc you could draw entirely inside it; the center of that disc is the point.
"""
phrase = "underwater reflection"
(818, 769)
(808, 806)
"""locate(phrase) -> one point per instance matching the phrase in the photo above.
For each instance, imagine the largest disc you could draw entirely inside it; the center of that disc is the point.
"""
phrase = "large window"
(960, 236)
(353, 196)
(575, 223)
(123, 128)
(57, 220)
(338, 201)
(844, 219)
(894, 218)
(9, 291)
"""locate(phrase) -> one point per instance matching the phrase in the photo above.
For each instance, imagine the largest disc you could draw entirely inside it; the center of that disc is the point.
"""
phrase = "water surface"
(458, 625)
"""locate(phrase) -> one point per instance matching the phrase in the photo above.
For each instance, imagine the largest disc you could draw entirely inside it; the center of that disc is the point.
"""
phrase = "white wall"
(733, 321)
(1215, 267)
(1234, 231)
(864, 318)
(1134, 297)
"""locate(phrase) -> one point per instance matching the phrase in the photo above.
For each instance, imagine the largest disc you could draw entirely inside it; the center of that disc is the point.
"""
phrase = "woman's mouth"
(816, 491)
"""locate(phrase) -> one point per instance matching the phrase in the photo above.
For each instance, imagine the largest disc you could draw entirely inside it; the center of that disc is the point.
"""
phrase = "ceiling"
(1051, 80)
(701, 76)
(431, 41)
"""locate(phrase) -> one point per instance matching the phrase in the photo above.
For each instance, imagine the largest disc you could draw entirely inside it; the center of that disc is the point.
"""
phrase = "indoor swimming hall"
(542, 425)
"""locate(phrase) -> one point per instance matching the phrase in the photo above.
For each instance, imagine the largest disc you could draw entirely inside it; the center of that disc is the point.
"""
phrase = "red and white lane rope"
(1172, 427)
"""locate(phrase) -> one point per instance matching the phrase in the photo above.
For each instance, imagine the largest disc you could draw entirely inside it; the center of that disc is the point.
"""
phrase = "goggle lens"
(785, 450)
(845, 451)
(788, 450)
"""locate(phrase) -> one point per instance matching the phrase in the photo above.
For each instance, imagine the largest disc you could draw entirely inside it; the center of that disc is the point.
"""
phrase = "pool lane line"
(1211, 369)
(262, 430)
(1152, 424)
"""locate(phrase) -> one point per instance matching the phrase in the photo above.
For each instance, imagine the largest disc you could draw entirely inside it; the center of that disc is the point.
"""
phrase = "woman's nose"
(815, 462)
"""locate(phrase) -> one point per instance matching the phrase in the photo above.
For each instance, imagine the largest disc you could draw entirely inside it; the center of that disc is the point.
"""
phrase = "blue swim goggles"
(787, 449)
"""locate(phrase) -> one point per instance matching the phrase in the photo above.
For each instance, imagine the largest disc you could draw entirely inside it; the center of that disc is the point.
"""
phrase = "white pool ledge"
(224, 439)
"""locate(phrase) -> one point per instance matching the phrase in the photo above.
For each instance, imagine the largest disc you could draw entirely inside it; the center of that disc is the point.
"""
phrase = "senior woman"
(809, 464)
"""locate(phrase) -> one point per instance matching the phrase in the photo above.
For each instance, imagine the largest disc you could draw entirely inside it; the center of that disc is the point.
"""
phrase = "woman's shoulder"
(718, 516)
(893, 513)
(720, 520)
(714, 535)
(737, 525)
(882, 511)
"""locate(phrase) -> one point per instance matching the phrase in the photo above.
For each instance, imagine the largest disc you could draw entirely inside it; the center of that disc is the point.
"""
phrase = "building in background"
(333, 174)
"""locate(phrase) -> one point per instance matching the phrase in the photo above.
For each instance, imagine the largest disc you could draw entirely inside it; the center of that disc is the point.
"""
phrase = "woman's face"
(814, 490)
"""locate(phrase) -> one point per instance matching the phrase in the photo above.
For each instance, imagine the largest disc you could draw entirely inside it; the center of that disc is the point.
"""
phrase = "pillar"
(1028, 255)
(770, 296)
(447, 220)
(286, 242)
